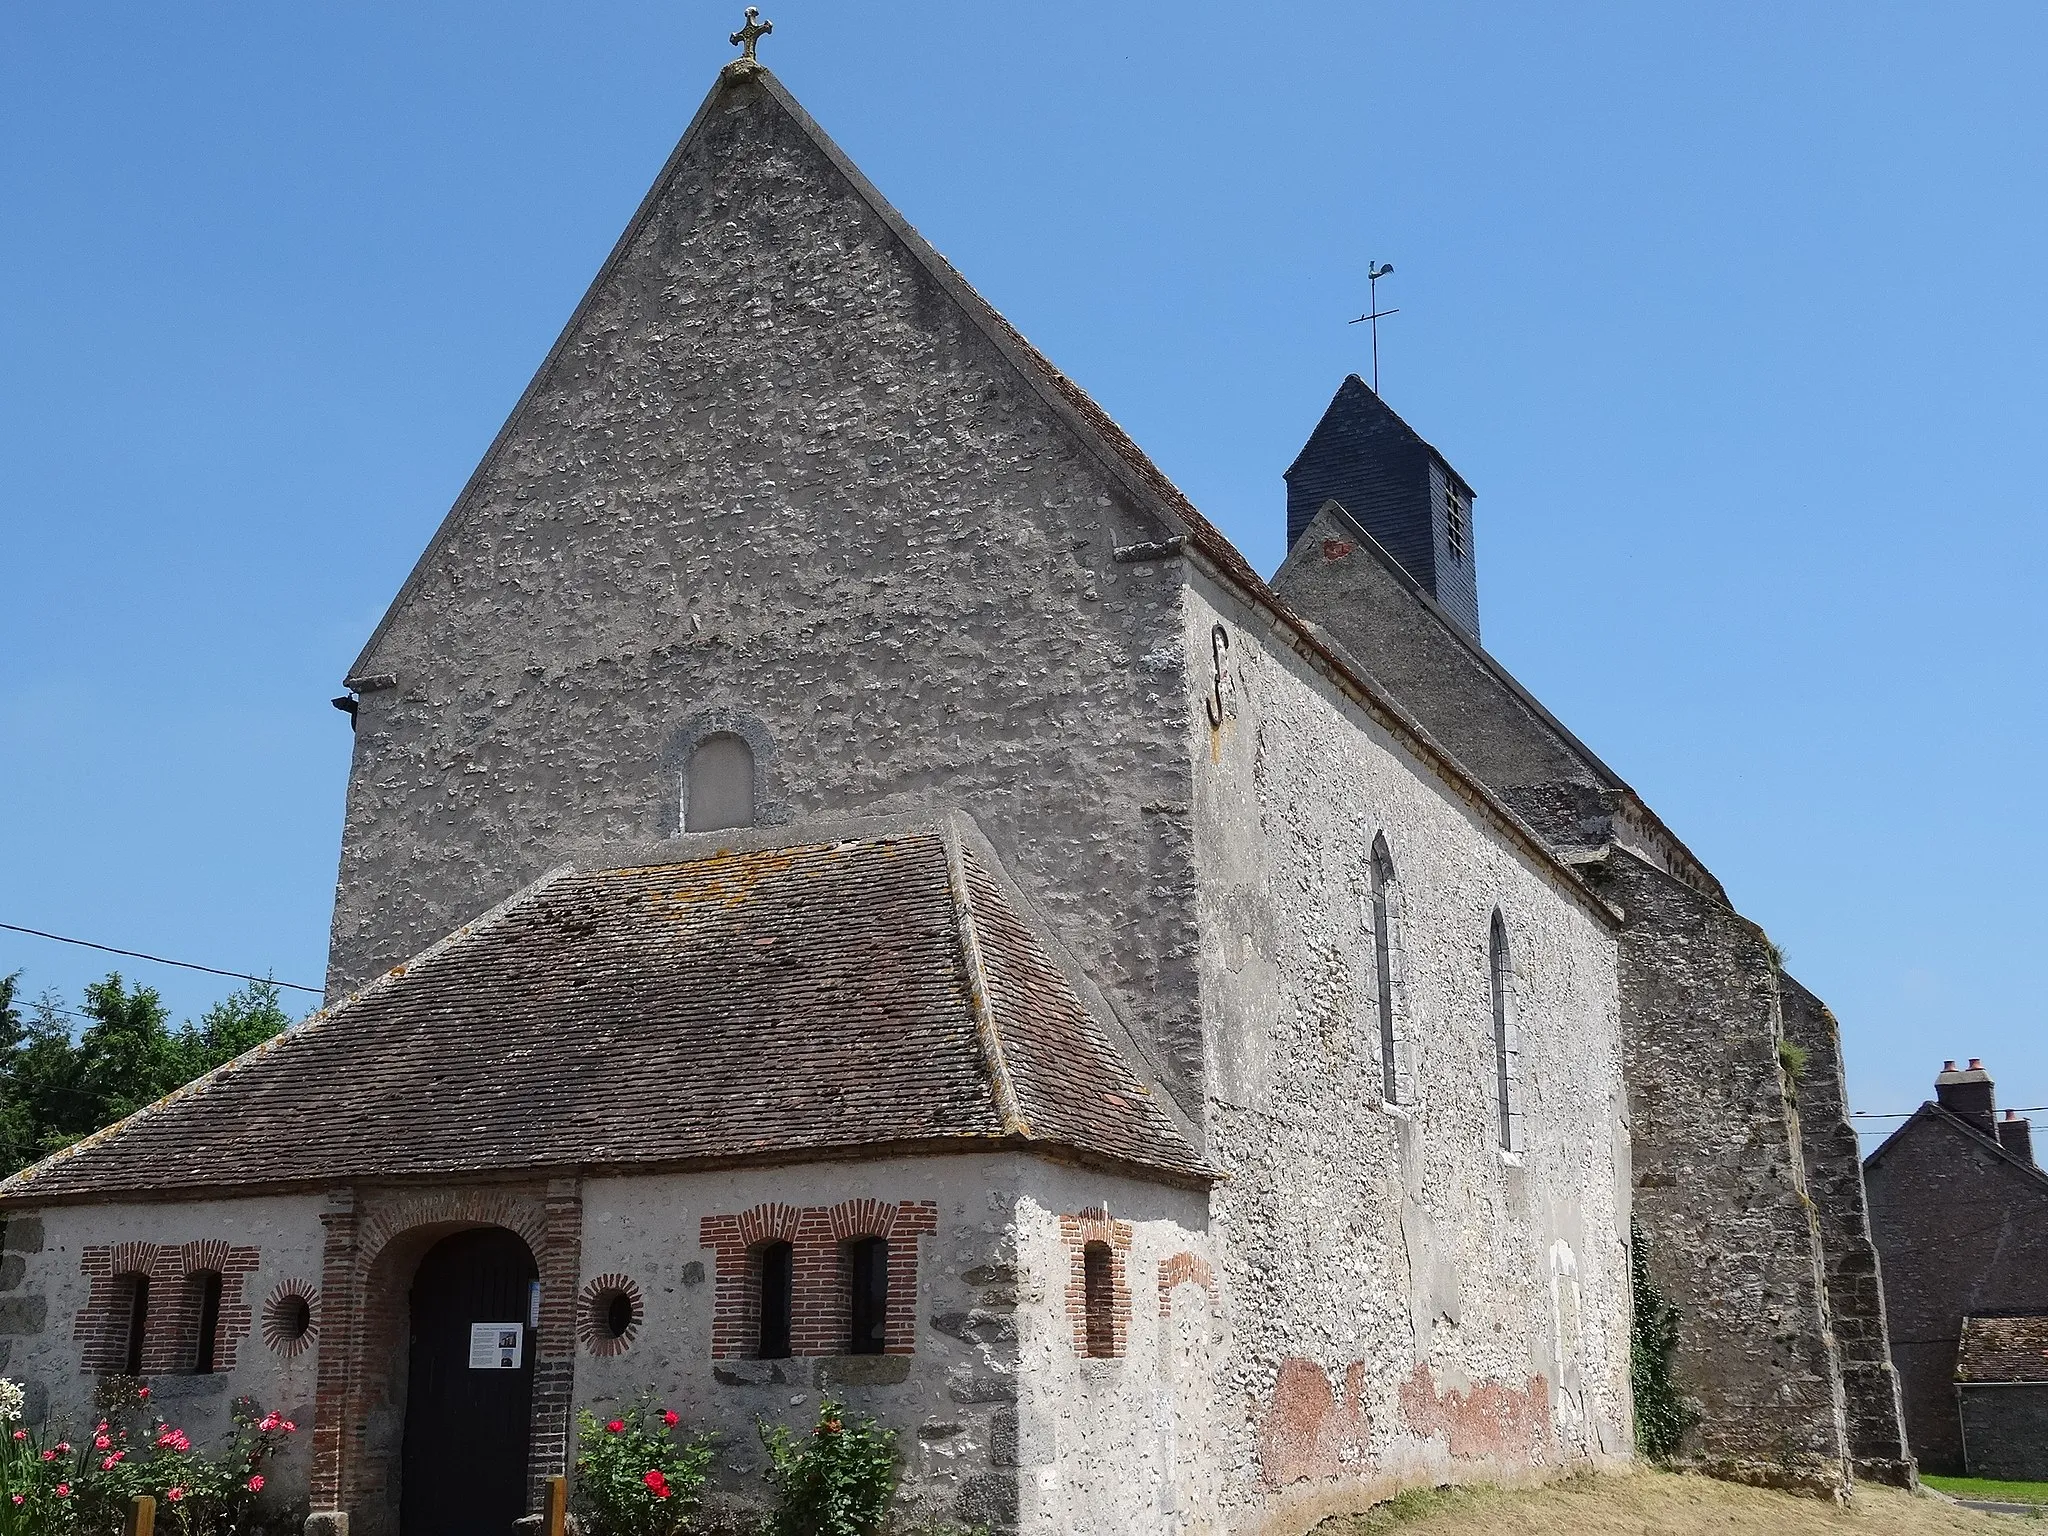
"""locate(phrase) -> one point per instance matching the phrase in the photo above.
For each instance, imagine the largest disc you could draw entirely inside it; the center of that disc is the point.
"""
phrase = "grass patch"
(1644, 1502)
(1988, 1488)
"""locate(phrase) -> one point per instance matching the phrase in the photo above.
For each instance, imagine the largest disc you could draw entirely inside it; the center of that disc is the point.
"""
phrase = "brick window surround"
(820, 1299)
(1184, 1269)
(593, 1314)
(280, 1312)
(1077, 1231)
(170, 1329)
(375, 1241)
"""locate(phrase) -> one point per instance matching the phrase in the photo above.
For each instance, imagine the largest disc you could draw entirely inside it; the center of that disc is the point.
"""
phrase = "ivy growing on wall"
(1663, 1413)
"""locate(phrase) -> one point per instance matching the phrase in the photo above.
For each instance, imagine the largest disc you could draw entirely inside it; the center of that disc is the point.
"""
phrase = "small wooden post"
(555, 1517)
(142, 1518)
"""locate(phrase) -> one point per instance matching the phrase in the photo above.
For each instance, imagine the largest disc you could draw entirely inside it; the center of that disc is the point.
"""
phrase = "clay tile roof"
(787, 1004)
(2003, 1349)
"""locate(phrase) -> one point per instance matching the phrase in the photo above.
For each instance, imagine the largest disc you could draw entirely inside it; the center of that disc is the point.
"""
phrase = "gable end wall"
(776, 473)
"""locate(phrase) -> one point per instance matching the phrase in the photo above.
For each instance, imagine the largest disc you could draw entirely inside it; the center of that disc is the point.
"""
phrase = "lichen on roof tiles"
(804, 1001)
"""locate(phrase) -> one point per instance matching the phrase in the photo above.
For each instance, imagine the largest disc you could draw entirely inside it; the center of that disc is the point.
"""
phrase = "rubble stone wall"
(1405, 1300)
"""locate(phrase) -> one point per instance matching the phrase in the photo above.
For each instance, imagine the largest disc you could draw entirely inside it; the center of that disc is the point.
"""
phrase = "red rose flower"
(616, 1427)
(656, 1482)
(256, 1483)
(668, 1416)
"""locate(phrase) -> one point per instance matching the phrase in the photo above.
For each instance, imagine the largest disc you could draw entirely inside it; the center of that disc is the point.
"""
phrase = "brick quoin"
(374, 1244)
(1077, 1231)
(170, 1329)
(817, 1236)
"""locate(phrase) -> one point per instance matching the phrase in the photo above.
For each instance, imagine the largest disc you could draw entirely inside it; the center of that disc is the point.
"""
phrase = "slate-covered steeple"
(1395, 486)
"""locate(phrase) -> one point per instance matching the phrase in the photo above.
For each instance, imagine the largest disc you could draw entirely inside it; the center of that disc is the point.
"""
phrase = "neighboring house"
(2002, 1397)
(851, 884)
(1960, 1215)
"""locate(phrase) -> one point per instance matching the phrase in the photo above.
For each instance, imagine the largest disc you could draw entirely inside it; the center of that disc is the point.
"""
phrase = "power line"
(136, 954)
(1871, 1114)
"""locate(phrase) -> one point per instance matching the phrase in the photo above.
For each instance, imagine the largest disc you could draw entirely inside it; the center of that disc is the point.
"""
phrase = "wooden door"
(466, 1423)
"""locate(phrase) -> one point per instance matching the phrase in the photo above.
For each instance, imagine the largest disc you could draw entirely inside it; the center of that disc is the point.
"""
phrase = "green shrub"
(633, 1476)
(49, 1485)
(838, 1480)
(1663, 1414)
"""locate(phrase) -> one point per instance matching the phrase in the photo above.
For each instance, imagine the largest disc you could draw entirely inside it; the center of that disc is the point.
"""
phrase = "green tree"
(56, 1087)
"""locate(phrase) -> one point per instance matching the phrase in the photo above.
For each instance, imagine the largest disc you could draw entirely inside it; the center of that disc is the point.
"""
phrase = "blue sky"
(1732, 315)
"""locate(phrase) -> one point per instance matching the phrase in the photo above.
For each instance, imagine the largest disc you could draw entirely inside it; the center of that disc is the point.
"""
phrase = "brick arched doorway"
(376, 1242)
(469, 1393)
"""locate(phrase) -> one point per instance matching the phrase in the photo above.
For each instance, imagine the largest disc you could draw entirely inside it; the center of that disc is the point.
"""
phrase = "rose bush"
(51, 1485)
(635, 1474)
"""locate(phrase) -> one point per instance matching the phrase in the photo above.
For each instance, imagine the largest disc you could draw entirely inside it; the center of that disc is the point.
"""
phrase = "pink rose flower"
(63, 1490)
(174, 1494)
(101, 1442)
(256, 1483)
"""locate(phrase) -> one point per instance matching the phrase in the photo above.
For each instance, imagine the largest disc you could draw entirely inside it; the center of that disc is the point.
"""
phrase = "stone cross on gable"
(749, 37)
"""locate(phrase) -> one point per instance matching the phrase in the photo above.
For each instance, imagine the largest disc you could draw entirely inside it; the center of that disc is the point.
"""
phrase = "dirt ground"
(1647, 1503)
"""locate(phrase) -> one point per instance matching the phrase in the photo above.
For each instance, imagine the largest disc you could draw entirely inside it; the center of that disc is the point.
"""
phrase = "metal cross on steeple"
(749, 37)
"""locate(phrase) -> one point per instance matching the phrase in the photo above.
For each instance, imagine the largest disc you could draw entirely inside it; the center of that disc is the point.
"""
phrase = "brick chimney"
(2017, 1136)
(1968, 1094)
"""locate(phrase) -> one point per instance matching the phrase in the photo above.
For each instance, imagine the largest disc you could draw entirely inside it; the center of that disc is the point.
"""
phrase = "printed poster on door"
(496, 1346)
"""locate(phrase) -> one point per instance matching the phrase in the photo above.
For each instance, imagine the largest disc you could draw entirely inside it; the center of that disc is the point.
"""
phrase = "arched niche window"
(131, 1303)
(718, 784)
(867, 1295)
(1098, 1294)
(202, 1305)
(777, 1270)
(1383, 948)
(1506, 1048)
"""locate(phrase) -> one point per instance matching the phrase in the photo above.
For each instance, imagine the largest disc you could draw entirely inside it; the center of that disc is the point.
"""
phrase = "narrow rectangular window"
(138, 1323)
(867, 1275)
(1098, 1291)
(205, 1291)
(1454, 523)
(778, 1289)
(1383, 967)
(1501, 971)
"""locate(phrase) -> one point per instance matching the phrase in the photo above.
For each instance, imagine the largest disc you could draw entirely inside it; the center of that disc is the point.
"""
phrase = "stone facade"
(1431, 1299)
(1756, 1223)
(1855, 1292)
(818, 498)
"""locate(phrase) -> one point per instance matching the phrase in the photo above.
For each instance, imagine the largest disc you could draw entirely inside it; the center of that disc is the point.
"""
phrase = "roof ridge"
(1931, 1110)
(1002, 1086)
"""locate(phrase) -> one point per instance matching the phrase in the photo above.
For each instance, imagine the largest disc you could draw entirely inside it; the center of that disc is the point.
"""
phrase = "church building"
(852, 886)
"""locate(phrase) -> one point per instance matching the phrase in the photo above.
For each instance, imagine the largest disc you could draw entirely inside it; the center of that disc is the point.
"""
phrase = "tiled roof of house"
(2003, 1349)
(784, 1004)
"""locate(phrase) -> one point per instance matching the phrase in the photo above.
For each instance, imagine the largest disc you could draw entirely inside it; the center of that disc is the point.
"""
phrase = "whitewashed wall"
(1367, 1243)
